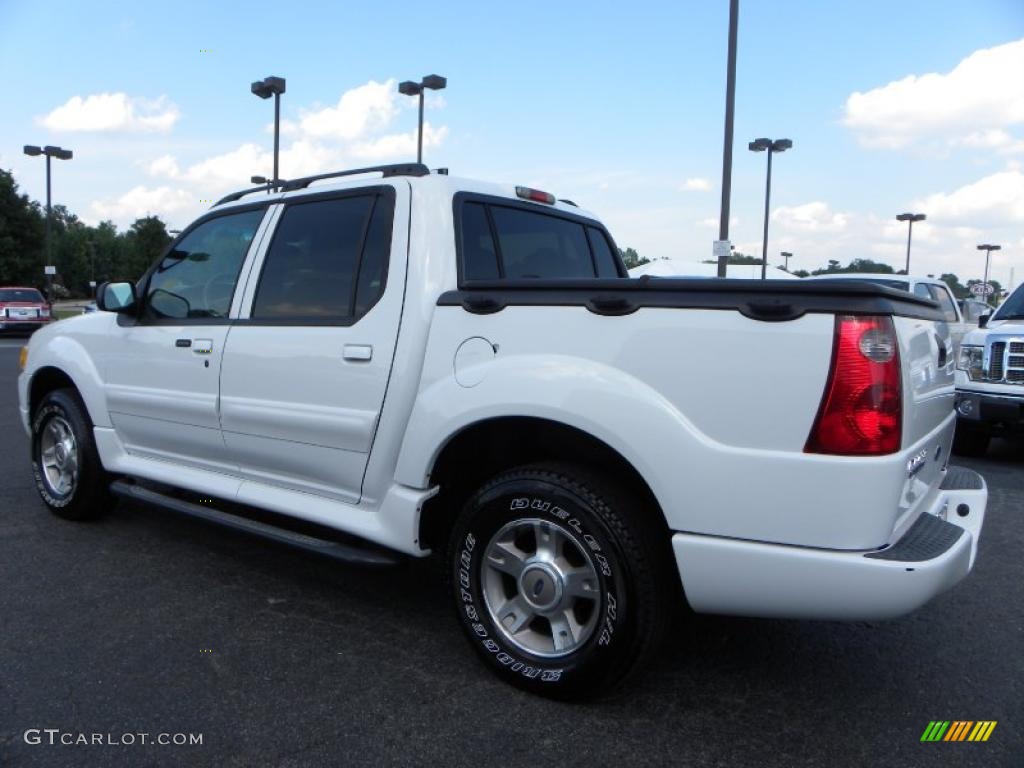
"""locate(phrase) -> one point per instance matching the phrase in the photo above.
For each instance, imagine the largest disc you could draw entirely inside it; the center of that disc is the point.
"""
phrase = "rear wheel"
(970, 442)
(67, 469)
(561, 583)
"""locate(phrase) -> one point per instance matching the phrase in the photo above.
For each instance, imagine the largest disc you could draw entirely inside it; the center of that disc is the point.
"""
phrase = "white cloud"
(164, 165)
(112, 112)
(695, 184)
(712, 222)
(143, 201)
(973, 103)
(810, 217)
(397, 145)
(358, 113)
(994, 200)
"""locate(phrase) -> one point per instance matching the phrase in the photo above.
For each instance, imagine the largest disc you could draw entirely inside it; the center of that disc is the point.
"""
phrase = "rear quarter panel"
(712, 408)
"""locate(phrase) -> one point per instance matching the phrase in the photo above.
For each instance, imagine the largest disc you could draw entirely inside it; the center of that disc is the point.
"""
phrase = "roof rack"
(399, 169)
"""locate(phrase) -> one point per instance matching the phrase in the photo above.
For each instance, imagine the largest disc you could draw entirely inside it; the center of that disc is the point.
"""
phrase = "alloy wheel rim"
(58, 456)
(541, 588)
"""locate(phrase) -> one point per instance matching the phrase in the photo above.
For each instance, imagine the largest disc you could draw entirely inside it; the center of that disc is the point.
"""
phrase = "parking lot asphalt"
(143, 622)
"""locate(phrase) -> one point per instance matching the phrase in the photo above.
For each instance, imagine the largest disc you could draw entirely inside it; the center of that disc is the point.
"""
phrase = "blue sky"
(618, 106)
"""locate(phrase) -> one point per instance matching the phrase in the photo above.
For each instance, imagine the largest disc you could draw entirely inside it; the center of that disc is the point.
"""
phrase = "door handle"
(358, 352)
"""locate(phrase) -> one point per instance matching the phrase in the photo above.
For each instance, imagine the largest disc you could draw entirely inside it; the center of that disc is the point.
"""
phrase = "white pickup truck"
(990, 379)
(405, 362)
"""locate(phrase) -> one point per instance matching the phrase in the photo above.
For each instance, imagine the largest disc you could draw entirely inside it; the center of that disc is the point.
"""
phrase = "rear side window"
(541, 246)
(503, 241)
(327, 262)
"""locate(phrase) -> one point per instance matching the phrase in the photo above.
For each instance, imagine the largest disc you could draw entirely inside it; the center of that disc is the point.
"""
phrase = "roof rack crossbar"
(397, 169)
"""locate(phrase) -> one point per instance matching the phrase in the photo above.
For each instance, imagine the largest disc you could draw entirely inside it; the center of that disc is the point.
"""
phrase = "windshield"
(21, 294)
(1013, 307)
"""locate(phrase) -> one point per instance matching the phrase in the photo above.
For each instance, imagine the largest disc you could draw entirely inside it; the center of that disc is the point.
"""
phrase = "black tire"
(590, 517)
(88, 494)
(970, 442)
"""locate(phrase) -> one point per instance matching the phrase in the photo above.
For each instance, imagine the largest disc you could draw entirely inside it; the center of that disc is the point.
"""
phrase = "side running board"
(368, 555)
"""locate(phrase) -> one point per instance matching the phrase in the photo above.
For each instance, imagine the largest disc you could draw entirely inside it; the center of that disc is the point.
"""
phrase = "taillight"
(861, 413)
(535, 195)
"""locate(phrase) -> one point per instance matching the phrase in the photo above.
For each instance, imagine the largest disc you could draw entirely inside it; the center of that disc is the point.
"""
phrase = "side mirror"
(116, 297)
(983, 320)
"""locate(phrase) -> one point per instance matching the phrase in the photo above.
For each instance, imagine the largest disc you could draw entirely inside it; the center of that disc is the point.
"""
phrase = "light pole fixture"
(409, 88)
(265, 88)
(61, 154)
(727, 142)
(771, 147)
(988, 248)
(787, 256)
(910, 218)
(264, 180)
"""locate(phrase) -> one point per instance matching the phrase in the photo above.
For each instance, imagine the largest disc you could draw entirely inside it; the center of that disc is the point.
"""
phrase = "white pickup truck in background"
(990, 379)
(405, 362)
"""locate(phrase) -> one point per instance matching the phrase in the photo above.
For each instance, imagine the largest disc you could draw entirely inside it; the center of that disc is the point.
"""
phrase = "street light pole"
(910, 218)
(265, 88)
(988, 248)
(771, 147)
(61, 154)
(410, 88)
(730, 106)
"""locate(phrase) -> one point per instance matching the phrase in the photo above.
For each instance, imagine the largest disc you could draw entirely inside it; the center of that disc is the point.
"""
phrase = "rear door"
(307, 365)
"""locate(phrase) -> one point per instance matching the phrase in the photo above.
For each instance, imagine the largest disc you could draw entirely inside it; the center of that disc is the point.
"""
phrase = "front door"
(305, 373)
(162, 368)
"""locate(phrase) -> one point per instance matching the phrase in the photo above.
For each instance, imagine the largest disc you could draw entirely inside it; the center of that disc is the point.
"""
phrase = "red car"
(23, 309)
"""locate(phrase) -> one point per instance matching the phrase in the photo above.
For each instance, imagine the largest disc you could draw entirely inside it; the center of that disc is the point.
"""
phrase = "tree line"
(80, 252)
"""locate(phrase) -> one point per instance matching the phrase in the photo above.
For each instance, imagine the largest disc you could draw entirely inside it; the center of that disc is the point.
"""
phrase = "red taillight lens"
(861, 412)
(535, 195)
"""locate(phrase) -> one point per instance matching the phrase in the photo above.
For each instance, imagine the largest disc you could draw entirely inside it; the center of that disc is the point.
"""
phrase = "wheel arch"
(483, 448)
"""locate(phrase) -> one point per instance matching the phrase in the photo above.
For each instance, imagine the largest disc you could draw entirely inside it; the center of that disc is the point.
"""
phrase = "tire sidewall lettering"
(468, 562)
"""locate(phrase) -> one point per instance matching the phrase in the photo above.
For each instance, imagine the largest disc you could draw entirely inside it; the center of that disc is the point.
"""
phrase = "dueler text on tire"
(67, 469)
(561, 581)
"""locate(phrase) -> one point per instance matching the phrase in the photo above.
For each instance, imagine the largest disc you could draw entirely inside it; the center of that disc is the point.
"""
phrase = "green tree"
(857, 265)
(21, 235)
(959, 291)
(631, 258)
(144, 241)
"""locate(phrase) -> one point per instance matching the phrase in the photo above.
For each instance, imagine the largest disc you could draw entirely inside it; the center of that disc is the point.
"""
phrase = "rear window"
(21, 294)
(516, 243)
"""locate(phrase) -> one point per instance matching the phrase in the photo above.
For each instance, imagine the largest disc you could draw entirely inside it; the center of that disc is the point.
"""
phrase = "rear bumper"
(7, 324)
(747, 578)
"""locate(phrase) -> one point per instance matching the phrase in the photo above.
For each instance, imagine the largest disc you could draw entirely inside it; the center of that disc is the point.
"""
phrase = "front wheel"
(67, 469)
(562, 583)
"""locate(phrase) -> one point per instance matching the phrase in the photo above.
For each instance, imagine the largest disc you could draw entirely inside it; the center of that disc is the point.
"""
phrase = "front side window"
(196, 280)
(328, 260)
